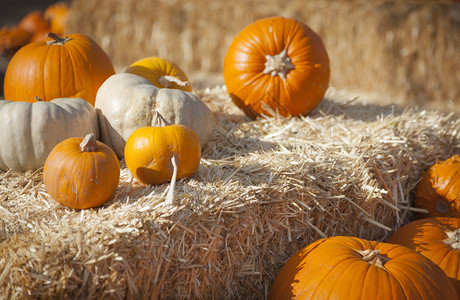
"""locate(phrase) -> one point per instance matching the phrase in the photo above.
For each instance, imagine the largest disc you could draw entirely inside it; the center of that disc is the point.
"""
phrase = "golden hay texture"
(264, 189)
(405, 49)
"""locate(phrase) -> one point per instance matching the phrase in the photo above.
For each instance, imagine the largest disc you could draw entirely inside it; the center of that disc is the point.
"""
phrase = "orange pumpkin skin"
(153, 68)
(305, 82)
(332, 268)
(439, 190)
(72, 66)
(437, 239)
(81, 179)
(149, 150)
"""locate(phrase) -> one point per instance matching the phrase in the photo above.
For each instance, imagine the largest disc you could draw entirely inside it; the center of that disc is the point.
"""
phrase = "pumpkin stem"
(278, 64)
(373, 257)
(158, 120)
(57, 40)
(170, 196)
(442, 207)
(167, 81)
(453, 239)
(89, 143)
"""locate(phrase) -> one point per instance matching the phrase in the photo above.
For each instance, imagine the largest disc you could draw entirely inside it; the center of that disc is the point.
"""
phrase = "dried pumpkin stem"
(453, 239)
(167, 81)
(89, 143)
(373, 257)
(158, 120)
(170, 196)
(278, 65)
(57, 40)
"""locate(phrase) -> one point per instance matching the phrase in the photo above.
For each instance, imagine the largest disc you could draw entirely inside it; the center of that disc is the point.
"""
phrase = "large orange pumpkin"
(437, 239)
(439, 190)
(81, 172)
(276, 62)
(352, 268)
(71, 66)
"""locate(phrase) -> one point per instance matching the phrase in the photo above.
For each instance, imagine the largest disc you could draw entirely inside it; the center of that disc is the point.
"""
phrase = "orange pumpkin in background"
(34, 22)
(439, 190)
(276, 64)
(57, 15)
(13, 38)
(70, 66)
(437, 239)
(161, 72)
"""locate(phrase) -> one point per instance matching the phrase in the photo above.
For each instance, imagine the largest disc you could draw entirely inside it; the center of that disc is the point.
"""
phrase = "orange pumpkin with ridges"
(437, 239)
(346, 268)
(279, 63)
(70, 66)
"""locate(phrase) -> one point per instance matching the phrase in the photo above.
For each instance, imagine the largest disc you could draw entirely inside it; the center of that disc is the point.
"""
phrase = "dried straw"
(264, 189)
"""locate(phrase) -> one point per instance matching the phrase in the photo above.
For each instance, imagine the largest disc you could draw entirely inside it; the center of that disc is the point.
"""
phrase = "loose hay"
(264, 189)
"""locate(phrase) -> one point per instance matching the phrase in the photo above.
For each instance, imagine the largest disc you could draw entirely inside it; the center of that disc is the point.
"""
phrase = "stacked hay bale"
(264, 189)
(403, 49)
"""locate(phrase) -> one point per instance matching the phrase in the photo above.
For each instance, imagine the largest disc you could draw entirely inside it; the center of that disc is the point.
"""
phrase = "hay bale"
(264, 189)
(404, 49)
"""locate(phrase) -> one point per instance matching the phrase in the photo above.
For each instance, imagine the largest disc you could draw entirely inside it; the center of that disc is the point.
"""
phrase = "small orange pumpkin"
(34, 21)
(150, 151)
(70, 66)
(351, 268)
(57, 14)
(81, 173)
(161, 72)
(437, 239)
(279, 63)
(12, 39)
(439, 190)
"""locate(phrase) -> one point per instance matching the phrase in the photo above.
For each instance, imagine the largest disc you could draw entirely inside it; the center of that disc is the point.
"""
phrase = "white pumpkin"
(29, 131)
(126, 102)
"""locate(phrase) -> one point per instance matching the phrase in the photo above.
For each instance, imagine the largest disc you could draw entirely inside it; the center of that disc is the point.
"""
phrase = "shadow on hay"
(354, 110)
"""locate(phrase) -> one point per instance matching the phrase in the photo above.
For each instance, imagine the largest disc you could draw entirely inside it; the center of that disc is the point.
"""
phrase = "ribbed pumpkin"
(437, 239)
(161, 72)
(81, 172)
(439, 190)
(276, 62)
(352, 268)
(71, 66)
(149, 152)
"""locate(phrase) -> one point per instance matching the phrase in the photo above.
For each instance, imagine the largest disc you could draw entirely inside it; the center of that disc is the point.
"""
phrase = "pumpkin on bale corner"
(346, 268)
(276, 62)
(439, 190)
(437, 239)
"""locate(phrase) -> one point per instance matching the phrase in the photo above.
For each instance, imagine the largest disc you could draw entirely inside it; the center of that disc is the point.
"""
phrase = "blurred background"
(403, 51)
